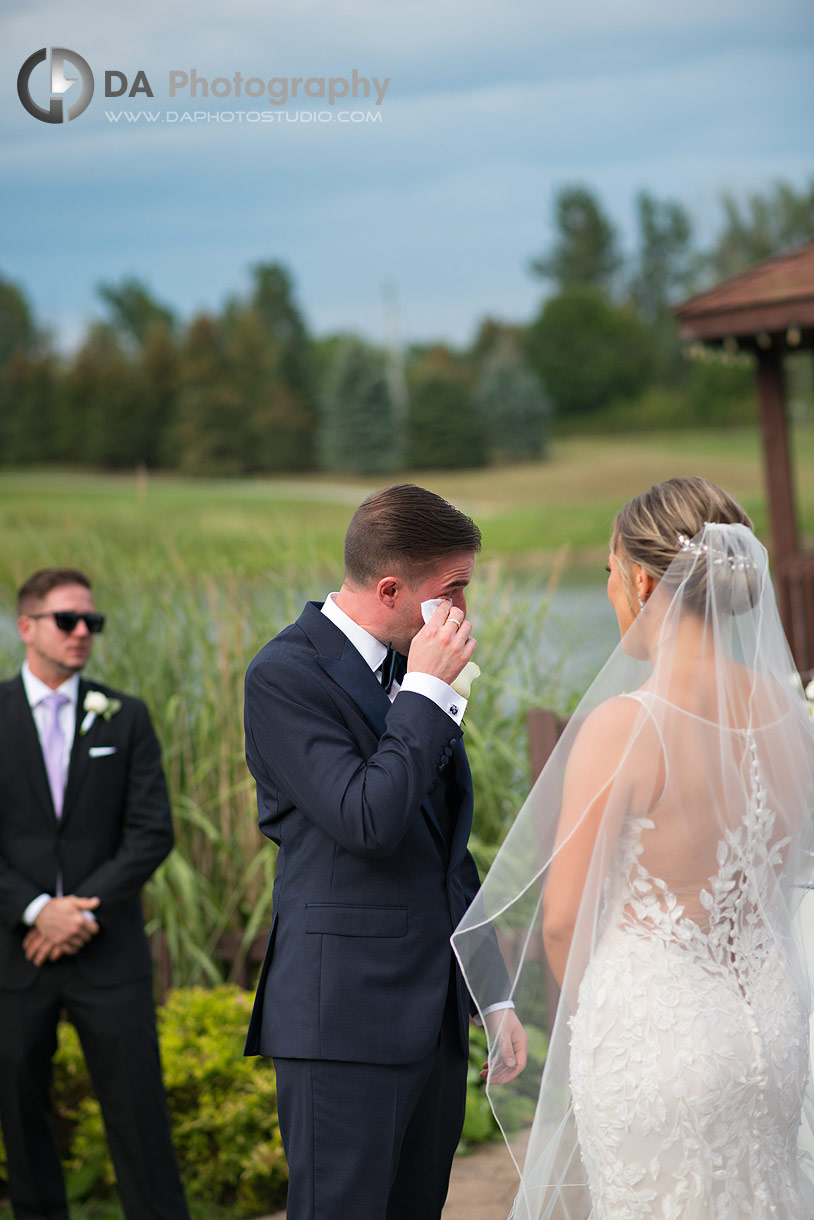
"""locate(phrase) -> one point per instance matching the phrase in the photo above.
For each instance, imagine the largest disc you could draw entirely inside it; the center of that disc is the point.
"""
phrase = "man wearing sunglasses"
(84, 822)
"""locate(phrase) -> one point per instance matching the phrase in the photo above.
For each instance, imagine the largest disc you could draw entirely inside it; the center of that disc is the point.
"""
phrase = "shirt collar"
(36, 691)
(373, 650)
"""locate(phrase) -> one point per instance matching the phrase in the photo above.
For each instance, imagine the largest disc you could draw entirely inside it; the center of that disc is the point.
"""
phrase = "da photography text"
(58, 88)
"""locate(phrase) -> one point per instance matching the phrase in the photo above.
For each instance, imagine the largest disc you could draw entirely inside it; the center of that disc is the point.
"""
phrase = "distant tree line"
(250, 390)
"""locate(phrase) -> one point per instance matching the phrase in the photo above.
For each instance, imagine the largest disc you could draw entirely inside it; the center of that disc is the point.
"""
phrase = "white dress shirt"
(35, 692)
(374, 652)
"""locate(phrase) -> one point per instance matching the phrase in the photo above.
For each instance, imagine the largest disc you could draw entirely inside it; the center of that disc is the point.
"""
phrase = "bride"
(658, 862)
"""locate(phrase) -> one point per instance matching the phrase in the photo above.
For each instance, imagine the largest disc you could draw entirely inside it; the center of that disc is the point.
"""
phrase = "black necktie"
(394, 667)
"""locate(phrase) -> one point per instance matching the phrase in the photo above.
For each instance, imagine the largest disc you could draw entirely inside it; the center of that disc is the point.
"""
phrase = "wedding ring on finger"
(456, 621)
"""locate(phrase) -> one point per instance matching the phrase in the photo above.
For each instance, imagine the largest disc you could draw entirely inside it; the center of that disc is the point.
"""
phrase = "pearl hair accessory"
(703, 548)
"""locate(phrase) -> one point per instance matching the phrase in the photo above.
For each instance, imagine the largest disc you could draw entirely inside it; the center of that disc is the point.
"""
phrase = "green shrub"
(716, 391)
(223, 1107)
(479, 1123)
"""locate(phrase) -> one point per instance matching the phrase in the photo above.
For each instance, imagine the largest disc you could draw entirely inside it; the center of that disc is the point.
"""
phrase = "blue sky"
(490, 108)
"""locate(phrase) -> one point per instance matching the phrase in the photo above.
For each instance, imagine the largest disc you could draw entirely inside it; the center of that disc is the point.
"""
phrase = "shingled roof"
(770, 305)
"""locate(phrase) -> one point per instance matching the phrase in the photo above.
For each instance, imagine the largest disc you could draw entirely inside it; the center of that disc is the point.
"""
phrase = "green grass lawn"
(527, 512)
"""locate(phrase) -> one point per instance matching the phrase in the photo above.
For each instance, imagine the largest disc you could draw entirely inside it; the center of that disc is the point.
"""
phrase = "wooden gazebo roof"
(769, 310)
(774, 299)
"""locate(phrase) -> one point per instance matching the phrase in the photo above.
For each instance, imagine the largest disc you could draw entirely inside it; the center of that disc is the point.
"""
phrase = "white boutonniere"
(97, 704)
(809, 692)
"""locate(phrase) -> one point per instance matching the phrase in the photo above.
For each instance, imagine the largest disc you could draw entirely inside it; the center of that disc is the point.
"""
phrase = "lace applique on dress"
(689, 1047)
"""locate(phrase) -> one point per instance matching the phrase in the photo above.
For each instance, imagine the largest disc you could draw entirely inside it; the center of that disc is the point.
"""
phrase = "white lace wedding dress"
(659, 862)
(689, 1045)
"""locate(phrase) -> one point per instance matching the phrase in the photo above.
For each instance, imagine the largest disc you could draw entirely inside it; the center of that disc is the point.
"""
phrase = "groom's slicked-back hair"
(404, 530)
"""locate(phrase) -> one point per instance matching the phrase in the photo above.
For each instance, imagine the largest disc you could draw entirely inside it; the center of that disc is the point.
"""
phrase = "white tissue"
(429, 608)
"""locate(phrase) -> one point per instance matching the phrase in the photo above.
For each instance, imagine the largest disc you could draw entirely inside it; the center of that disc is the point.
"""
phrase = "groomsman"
(84, 822)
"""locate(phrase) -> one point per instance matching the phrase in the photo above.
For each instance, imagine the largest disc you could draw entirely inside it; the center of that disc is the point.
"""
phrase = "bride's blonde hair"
(653, 527)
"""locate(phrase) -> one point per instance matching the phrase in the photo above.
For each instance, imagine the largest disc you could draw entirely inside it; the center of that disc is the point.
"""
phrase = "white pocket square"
(101, 751)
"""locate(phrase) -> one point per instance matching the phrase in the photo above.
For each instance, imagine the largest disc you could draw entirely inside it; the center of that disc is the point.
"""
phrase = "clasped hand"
(509, 1046)
(442, 647)
(60, 928)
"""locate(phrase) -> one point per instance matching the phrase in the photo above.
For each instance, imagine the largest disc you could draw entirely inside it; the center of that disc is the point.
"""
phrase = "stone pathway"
(482, 1186)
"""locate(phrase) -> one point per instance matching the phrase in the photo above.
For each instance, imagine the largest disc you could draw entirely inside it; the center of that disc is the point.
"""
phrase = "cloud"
(489, 110)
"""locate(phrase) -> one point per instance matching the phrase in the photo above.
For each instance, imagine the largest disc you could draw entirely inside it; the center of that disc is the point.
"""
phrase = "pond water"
(581, 632)
(575, 638)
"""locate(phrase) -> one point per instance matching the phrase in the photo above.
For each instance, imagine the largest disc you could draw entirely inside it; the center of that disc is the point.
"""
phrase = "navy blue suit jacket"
(369, 883)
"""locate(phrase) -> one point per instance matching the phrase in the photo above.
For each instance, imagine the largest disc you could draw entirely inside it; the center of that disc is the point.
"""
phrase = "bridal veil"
(689, 767)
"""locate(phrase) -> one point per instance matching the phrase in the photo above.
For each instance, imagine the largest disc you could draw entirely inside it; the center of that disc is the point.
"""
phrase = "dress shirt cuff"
(34, 907)
(494, 1008)
(439, 692)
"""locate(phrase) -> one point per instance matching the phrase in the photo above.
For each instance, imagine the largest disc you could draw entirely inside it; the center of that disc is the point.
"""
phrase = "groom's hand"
(442, 647)
(509, 1043)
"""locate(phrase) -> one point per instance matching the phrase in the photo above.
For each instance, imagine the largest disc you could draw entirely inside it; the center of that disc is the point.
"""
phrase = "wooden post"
(777, 461)
(161, 959)
(544, 728)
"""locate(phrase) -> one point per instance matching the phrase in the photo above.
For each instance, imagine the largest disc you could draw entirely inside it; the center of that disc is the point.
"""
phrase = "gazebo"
(769, 311)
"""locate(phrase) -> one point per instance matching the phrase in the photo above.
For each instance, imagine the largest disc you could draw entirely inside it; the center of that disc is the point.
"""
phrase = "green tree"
(278, 420)
(588, 352)
(210, 428)
(492, 335)
(27, 373)
(270, 352)
(245, 401)
(445, 427)
(144, 331)
(29, 408)
(760, 225)
(99, 418)
(513, 404)
(134, 311)
(159, 383)
(664, 263)
(273, 301)
(357, 427)
(585, 249)
(18, 331)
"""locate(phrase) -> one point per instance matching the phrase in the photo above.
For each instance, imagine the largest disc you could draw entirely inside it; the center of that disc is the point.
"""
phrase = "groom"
(363, 781)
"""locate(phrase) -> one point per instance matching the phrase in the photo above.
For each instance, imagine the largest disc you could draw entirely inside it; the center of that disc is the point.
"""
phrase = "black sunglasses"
(66, 620)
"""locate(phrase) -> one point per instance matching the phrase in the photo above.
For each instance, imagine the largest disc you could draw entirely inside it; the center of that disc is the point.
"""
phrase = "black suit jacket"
(114, 831)
(373, 871)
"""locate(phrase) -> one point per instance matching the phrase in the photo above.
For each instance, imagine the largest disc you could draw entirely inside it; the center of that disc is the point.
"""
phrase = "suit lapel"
(346, 666)
(23, 742)
(79, 756)
(352, 672)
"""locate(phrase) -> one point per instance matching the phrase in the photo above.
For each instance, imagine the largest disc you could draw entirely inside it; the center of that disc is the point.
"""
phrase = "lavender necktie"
(53, 748)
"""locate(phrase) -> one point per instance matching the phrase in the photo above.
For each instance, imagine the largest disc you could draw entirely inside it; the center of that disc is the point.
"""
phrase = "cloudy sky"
(443, 193)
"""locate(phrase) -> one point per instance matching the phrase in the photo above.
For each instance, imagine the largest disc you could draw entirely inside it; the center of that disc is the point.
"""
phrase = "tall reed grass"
(180, 636)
